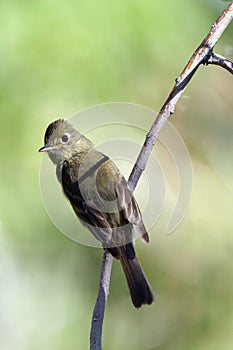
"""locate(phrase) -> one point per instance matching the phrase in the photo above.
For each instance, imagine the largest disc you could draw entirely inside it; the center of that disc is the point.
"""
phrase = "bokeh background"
(56, 59)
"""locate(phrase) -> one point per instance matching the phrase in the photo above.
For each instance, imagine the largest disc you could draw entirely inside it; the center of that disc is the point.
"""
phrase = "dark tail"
(140, 290)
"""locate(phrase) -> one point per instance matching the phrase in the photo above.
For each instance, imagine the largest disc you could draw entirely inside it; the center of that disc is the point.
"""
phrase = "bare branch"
(99, 309)
(200, 56)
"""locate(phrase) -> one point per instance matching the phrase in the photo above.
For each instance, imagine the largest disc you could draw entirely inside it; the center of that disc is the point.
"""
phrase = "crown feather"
(50, 129)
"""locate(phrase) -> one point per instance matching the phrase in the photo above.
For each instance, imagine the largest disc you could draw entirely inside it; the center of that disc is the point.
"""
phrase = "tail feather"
(140, 290)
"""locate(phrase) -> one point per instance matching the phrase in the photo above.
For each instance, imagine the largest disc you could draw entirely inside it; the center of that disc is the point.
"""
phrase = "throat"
(59, 171)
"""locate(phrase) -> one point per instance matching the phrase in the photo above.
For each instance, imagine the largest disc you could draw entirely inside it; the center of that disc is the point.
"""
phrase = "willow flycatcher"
(101, 199)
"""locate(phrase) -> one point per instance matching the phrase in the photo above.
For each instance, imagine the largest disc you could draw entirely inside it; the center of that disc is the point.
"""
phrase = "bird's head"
(60, 139)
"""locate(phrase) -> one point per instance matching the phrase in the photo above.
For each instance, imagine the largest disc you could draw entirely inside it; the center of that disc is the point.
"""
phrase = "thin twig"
(99, 309)
(198, 58)
(221, 61)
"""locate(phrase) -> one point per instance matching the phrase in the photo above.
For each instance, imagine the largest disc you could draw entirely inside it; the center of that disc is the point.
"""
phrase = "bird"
(101, 199)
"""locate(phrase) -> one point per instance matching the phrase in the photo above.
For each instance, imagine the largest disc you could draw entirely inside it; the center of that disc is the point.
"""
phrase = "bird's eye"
(65, 138)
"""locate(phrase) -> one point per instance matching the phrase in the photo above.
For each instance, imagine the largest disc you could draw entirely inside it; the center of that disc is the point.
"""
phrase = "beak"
(46, 148)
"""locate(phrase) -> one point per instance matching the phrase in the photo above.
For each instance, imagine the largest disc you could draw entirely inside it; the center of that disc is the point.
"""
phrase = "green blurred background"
(56, 59)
